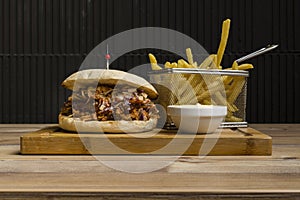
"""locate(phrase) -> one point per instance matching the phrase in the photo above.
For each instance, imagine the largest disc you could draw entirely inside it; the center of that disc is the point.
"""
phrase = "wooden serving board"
(238, 141)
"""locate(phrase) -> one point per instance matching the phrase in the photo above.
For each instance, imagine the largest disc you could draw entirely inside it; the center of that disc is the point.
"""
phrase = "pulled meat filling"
(108, 103)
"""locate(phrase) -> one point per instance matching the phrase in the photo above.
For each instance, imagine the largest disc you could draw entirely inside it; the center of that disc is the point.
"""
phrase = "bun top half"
(109, 77)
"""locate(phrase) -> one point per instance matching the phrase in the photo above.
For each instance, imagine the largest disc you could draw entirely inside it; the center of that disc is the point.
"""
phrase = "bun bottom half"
(76, 125)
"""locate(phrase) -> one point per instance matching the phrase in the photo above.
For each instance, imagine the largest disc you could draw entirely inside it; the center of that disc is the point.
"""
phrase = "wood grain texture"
(147, 196)
(189, 177)
(241, 141)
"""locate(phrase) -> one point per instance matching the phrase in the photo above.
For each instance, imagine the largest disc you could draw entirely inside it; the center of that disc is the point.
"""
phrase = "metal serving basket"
(179, 86)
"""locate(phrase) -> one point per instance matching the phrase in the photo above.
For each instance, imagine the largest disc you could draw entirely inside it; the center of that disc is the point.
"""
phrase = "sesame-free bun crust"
(76, 125)
(109, 77)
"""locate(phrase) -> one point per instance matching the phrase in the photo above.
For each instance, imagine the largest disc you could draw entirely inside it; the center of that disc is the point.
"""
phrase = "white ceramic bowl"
(197, 118)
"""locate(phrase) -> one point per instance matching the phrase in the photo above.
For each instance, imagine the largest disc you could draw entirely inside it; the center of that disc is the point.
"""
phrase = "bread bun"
(69, 124)
(109, 77)
(112, 78)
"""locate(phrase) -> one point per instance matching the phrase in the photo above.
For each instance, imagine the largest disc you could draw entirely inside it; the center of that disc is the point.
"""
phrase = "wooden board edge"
(266, 146)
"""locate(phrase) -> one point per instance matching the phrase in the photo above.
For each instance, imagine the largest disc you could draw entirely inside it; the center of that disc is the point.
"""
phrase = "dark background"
(43, 41)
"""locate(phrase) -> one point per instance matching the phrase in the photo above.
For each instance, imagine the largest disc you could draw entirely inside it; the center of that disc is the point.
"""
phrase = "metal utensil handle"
(256, 53)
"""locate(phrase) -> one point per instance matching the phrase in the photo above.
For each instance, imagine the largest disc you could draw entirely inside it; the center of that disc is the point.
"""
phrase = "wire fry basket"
(179, 86)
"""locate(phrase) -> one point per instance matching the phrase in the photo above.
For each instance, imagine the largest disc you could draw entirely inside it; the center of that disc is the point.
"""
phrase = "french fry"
(195, 83)
(168, 65)
(208, 62)
(194, 80)
(207, 102)
(227, 81)
(199, 85)
(153, 62)
(185, 90)
(223, 42)
(235, 107)
(189, 55)
(186, 65)
(155, 67)
(207, 93)
(235, 89)
(234, 65)
(214, 63)
(152, 58)
(195, 64)
(174, 65)
(230, 107)
(229, 114)
(188, 97)
(245, 67)
(220, 99)
(233, 119)
(180, 63)
(183, 64)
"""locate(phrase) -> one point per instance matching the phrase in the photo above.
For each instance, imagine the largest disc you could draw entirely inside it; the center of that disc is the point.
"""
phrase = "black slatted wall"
(43, 41)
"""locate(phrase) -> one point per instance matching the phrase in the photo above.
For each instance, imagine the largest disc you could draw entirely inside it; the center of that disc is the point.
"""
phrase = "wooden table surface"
(213, 177)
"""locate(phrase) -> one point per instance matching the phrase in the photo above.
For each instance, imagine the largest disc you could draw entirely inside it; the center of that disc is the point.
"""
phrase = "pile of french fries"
(210, 90)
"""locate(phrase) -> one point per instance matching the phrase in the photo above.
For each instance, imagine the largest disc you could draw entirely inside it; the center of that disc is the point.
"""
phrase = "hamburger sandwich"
(108, 101)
